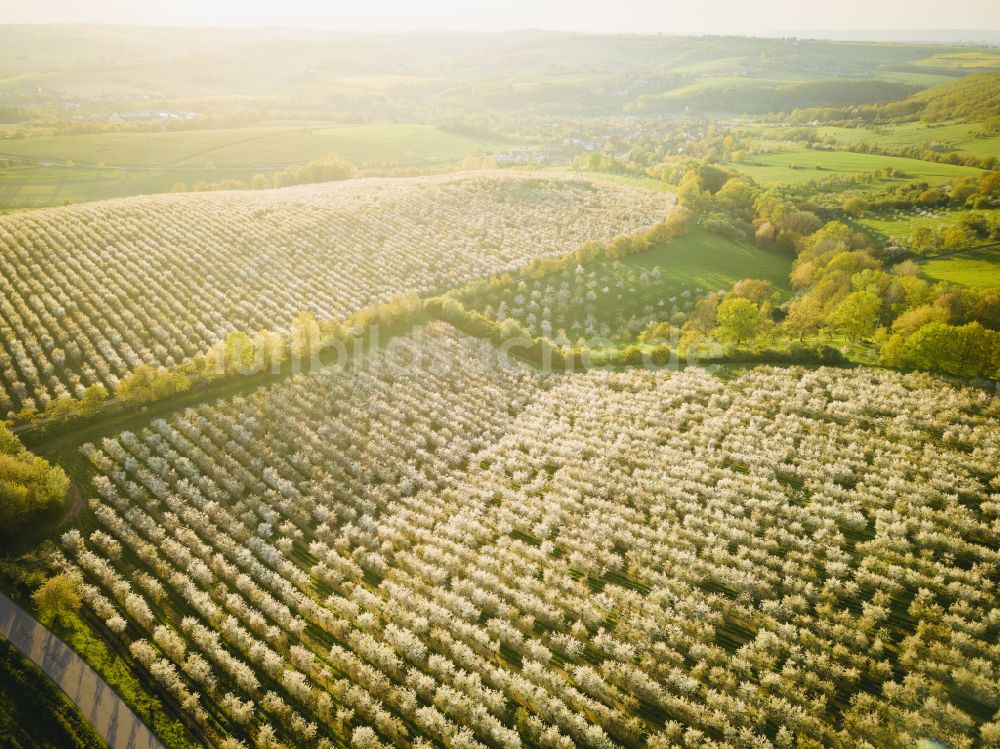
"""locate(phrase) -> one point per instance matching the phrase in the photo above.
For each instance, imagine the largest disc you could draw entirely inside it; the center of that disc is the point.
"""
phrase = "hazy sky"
(647, 16)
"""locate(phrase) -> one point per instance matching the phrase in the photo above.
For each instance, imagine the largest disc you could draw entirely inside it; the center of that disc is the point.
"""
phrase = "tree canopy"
(57, 598)
(28, 483)
(740, 320)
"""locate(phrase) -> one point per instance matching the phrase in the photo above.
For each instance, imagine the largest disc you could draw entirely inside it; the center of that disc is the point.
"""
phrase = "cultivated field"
(672, 425)
(948, 136)
(971, 59)
(99, 166)
(800, 165)
(443, 547)
(616, 299)
(254, 147)
(90, 292)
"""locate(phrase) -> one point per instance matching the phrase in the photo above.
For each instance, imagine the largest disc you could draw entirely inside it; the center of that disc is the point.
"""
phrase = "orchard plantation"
(506, 391)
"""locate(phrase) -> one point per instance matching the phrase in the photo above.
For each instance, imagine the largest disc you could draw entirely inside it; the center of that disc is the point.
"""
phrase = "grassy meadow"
(706, 260)
(272, 146)
(614, 299)
(98, 166)
(973, 59)
(901, 224)
(27, 187)
(799, 166)
(977, 268)
(957, 137)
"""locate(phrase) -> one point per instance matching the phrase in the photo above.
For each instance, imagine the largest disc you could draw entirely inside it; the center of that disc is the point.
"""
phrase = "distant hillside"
(897, 36)
(973, 98)
(754, 96)
(439, 75)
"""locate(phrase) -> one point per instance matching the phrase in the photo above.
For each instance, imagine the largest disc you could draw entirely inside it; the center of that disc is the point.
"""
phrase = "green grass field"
(978, 59)
(708, 260)
(955, 136)
(710, 83)
(24, 188)
(81, 168)
(914, 78)
(799, 166)
(255, 147)
(978, 268)
(618, 297)
(902, 225)
(648, 183)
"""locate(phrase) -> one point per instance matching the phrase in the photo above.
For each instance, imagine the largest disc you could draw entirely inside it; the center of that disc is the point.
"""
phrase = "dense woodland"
(29, 485)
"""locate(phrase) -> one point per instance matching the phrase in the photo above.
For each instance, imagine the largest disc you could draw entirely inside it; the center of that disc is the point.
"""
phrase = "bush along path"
(98, 702)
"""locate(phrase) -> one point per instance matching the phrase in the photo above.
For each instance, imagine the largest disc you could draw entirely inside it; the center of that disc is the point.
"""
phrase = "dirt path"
(99, 703)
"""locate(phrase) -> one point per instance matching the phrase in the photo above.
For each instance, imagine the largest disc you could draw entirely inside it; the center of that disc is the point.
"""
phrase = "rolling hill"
(92, 291)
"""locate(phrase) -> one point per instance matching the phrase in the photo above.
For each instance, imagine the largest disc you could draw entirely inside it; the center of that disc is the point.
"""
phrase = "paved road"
(98, 702)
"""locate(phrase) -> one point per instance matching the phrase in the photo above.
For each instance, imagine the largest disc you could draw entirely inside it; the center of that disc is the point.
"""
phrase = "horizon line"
(766, 32)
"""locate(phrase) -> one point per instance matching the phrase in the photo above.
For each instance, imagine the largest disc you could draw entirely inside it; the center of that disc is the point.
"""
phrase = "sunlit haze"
(637, 16)
(521, 374)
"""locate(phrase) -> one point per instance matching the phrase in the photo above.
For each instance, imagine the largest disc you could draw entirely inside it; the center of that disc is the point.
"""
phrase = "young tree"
(956, 238)
(804, 316)
(757, 290)
(57, 598)
(92, 400)
(306, 340)
(912, 320)
(61, 409)
(857, 315)
(239, 353)
(740, 320)
(924, 239)
(269, 350)
(147, 383)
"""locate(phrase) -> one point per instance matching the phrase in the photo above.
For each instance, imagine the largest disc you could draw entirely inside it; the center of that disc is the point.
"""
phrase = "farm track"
(99, 704)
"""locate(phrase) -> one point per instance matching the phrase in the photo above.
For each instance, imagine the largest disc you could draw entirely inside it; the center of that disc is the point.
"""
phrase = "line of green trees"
(330, 169)
(518, 341)
(677, 223)
(928, 150)
(29, 485)
(969, 229)
(924, 152)
(845, 292)
(509, 335)
(299, 349)
(979, 192)
(656, 345)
